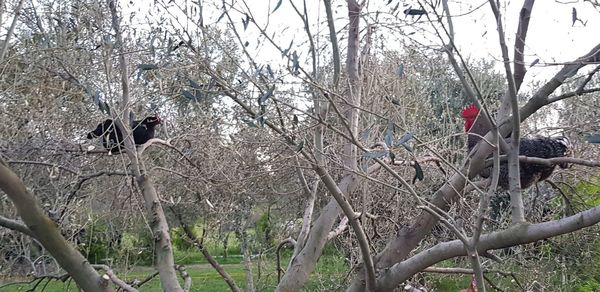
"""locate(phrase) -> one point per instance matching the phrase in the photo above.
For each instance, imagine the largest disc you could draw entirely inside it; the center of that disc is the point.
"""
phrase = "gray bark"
(515, 235)
(48, 234)
(165, 263)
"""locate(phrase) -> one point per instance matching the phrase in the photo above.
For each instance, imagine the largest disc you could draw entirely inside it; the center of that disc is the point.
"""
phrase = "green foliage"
(590, 285)
(450, 283)
(264, 232)
(180, 240)
(212, 241)
(589, 271)
(233, 246)
(99, 242)
(589, 191)
(136, 249)
(194, 257)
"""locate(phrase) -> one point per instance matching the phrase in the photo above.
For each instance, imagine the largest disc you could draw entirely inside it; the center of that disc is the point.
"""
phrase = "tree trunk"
(48, 234)
(160, 232)
(247, 261)
(225, 244)
(304, 263)
(163, 249)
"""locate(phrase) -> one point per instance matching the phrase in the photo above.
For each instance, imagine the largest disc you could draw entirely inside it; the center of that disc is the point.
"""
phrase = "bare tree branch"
(553, 161)
(519, 62)
(47, 233)
(11, 30)
(187, 279)
(515, 235)
(163, 248)
(113, 278)
(43, 163)
(516, 200)
(15, 225)
(334, 43)
(187, 229)
(342, 226)
(311, 194)
(289, 241)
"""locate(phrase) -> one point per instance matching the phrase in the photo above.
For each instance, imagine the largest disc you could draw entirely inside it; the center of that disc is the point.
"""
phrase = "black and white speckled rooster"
(541, 147)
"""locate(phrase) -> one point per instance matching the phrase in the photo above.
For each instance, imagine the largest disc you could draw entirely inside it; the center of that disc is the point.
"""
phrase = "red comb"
(469, 114)
(470, 111)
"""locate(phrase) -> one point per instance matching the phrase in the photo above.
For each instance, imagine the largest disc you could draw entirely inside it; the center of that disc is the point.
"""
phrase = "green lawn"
(203, 279)
(329, 271)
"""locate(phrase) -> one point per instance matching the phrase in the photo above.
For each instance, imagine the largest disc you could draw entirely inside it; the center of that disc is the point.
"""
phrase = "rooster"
(112, 138)
(542, 147)
(144, 130)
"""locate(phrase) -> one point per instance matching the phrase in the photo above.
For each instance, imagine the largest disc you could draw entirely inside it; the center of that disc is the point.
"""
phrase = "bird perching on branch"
(112, 138)
(476, 126)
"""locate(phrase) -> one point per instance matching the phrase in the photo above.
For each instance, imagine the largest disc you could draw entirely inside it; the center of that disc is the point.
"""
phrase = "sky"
(552, 37)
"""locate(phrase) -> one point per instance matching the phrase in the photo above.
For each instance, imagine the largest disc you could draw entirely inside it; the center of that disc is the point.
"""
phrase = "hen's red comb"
(470, 111)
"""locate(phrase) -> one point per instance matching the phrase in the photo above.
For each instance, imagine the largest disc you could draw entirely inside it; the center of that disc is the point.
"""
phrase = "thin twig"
(113, 278)
(289, 241)
(11, 30)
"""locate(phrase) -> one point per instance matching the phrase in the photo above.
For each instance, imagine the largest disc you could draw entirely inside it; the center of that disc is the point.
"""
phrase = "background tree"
(339, 130)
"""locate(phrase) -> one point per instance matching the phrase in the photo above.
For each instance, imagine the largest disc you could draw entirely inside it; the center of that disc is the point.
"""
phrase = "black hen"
(144, 130)
(112, 139)
(542, 147)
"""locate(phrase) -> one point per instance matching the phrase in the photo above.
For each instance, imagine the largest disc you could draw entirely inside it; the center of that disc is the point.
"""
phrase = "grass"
(192, 258)
(203, 279)
(327, 276)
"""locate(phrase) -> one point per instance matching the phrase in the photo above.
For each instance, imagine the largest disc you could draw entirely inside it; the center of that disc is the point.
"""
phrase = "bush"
(180, 240)
(589, 286)
(99, 242)
(137, 249)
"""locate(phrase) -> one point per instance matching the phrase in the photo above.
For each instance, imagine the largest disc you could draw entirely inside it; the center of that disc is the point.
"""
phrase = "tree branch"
(187, 280)
(515, 235)
(516, 200)
(343, 225)
(289, 241)
(43, 163)
(519, 62)
(47, 233)
(11, 30)
(15, 225)
(334, 43)
(187, 229)
(311, 196)
(113, 278)
(163, 249)
(551, 161)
